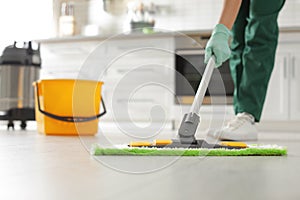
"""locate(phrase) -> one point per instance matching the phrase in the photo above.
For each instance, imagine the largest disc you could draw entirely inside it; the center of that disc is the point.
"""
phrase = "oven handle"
(190, 52)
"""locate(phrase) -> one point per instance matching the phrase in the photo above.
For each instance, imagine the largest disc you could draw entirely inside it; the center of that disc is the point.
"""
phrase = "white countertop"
(128, 35)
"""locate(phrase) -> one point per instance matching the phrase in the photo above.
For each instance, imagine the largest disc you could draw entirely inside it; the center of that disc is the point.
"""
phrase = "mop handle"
(203, 86)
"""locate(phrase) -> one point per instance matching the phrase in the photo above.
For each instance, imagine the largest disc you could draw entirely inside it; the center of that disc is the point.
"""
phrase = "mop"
(186, 144)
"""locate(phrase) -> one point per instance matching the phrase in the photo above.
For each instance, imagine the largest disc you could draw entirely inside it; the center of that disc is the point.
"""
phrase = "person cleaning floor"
(254, 31)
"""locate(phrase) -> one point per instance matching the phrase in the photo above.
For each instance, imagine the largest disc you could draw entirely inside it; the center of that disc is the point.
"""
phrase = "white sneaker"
(240, 128)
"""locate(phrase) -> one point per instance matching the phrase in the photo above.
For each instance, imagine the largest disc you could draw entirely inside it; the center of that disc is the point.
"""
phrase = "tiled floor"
(34, 166)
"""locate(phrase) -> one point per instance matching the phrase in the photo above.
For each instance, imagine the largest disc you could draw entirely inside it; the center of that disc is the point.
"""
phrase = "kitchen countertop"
(35, 166)
(125, 35)
(128, 35)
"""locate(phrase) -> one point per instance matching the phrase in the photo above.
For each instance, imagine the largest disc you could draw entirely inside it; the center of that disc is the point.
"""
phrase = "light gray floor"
(34, 166)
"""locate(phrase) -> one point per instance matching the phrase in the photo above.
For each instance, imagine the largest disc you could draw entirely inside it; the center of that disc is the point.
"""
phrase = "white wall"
(204, 14)
(32, 19)
(174, 15)
(25, 20)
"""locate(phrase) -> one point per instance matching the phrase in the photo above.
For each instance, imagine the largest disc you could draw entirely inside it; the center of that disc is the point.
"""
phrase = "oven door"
(189, 64)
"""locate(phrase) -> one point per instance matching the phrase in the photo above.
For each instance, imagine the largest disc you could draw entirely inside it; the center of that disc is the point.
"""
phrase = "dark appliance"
(190, 66)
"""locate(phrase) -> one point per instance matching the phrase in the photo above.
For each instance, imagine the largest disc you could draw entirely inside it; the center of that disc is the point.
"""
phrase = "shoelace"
(238, 121)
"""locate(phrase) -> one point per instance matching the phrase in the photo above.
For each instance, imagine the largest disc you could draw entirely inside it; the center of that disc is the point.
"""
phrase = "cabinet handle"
(293, 67)
(121, 71)
(135, 101)
(284, 68)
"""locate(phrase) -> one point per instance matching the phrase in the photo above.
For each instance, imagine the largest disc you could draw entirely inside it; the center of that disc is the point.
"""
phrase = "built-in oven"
(190, 66)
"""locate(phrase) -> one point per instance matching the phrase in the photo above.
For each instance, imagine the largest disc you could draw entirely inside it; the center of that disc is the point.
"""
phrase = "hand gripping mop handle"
(191, 120)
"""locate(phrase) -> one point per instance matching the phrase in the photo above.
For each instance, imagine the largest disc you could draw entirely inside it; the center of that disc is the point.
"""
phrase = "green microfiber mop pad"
(252, 150)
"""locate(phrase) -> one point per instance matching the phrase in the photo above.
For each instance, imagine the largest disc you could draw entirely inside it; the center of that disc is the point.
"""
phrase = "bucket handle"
(69, 118)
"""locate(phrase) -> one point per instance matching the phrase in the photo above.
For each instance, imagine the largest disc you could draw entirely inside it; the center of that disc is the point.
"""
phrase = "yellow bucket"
(68, 107)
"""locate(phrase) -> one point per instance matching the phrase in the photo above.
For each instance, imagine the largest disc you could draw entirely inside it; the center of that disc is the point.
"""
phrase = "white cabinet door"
(276, 105)
(149, 103)
(70, 59)
(295, 86)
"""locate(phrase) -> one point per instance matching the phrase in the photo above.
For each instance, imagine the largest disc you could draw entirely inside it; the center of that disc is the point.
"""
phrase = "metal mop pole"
(191, 120)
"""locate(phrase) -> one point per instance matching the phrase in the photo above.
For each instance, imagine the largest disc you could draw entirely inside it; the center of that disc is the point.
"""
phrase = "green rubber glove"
(218, 45)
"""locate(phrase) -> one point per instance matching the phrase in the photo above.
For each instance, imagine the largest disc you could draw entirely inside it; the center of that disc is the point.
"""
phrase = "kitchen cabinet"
(276, 105)
(283, 96)
(295, 84)
(65, 59)
(137, 73)
(138, 80)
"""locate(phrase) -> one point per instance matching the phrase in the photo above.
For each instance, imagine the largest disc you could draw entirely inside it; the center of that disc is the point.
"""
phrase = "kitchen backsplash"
(170, 14)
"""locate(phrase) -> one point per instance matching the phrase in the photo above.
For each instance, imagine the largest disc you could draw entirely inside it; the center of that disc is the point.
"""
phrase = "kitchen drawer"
(141, 65)
(124, 63)
(148, 72)
(93, 67)
(142, 56)
(67, 62)
(119, 47)
(59, 74)
(149, 103)
(131, 82)
(71, 48)
(72, 56)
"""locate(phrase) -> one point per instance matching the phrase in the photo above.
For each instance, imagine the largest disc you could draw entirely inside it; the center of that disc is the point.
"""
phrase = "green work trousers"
(254, 42)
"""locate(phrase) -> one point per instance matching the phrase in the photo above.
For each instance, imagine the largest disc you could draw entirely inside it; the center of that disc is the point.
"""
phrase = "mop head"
(250, 150)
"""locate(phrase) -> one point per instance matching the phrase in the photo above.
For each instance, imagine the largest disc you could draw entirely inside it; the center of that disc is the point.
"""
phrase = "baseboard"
(293, 126)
